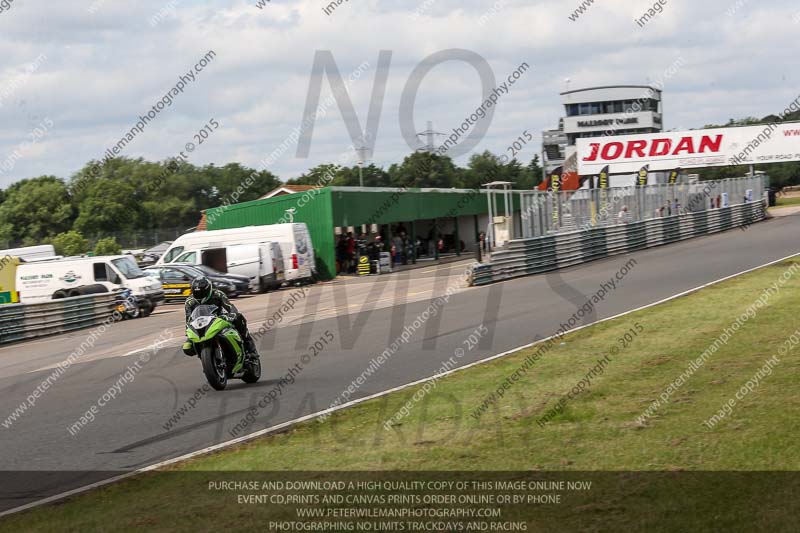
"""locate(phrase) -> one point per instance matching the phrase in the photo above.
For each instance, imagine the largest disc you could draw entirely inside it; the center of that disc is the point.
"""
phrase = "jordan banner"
(715, 147)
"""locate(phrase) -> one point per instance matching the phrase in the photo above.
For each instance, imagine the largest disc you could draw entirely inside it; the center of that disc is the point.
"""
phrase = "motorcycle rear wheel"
(214, 368)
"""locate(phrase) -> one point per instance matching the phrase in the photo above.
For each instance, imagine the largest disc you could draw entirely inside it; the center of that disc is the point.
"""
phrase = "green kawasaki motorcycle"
(220, 347)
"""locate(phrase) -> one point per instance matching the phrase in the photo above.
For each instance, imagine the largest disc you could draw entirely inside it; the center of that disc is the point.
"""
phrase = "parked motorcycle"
(126, 305)
(220, 348)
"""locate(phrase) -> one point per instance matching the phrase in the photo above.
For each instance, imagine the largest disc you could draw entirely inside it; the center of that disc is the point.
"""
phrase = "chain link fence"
(134, 240)
(128, 240)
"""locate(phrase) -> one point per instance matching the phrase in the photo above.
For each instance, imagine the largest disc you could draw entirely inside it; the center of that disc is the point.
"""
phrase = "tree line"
(780, 174)
(124, 195)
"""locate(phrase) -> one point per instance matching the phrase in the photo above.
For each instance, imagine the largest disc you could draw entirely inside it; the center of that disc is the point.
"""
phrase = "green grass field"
(785, 201)
(597, 431)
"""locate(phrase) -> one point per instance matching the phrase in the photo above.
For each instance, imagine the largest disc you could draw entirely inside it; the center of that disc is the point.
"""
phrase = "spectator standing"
(397, 249)
(341, 253)
(622, 216)
(351, 249)
(375, 248)
(431, 240)
(406, 247)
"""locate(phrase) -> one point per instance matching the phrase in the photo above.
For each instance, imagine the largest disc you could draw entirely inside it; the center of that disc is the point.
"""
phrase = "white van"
(262, 263)
(31, 253)
(62, 278)
(294, 240)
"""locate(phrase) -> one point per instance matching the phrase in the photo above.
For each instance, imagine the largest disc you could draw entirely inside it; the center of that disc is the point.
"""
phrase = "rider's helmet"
(201, 289)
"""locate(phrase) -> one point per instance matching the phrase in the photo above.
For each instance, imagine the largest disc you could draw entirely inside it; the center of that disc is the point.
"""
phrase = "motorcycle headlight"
(201, 322)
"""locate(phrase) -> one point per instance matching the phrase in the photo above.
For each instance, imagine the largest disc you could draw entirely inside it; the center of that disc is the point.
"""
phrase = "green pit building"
(439, 221)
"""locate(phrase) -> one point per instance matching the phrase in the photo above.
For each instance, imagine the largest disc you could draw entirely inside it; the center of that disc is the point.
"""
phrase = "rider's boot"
(188, 348)
(250, 350)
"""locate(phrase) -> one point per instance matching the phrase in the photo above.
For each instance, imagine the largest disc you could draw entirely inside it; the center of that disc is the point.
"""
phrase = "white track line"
(351, 403)
(103, 357)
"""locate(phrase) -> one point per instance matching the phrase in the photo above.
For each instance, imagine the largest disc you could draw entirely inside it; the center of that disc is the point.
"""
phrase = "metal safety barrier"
(547, 212)
(550, 252)
(27, 321)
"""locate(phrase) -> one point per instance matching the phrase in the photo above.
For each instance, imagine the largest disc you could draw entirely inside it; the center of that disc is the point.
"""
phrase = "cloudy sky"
(76, 75)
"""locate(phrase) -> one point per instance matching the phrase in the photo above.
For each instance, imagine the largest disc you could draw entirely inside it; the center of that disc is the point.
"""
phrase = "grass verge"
(597, 430)
(784, 201)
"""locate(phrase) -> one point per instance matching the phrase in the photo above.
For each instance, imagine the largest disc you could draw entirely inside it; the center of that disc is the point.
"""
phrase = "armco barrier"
(26, 321)
(550, 252)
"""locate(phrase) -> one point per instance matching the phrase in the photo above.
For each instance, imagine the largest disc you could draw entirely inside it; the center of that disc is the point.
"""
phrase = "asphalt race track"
(128, 431)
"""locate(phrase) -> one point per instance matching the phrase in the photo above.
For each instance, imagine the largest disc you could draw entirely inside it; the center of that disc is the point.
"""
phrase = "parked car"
(262, 263)
(177, 281)
(151, 255)
(242, 283)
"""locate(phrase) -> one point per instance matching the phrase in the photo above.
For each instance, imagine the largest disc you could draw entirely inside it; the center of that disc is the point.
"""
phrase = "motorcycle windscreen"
(202, 316)
(203, 310)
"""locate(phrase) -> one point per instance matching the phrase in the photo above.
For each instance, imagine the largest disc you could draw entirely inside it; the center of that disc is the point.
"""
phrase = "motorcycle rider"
(203, 293)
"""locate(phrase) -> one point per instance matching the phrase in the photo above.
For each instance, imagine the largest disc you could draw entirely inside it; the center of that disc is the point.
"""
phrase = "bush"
(107, 246)
(70, 243)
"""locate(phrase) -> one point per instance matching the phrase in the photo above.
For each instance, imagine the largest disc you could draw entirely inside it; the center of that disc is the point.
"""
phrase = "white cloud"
(104, 69)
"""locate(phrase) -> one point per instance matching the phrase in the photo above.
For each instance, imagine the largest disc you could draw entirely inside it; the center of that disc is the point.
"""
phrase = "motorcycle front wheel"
(214, 366)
